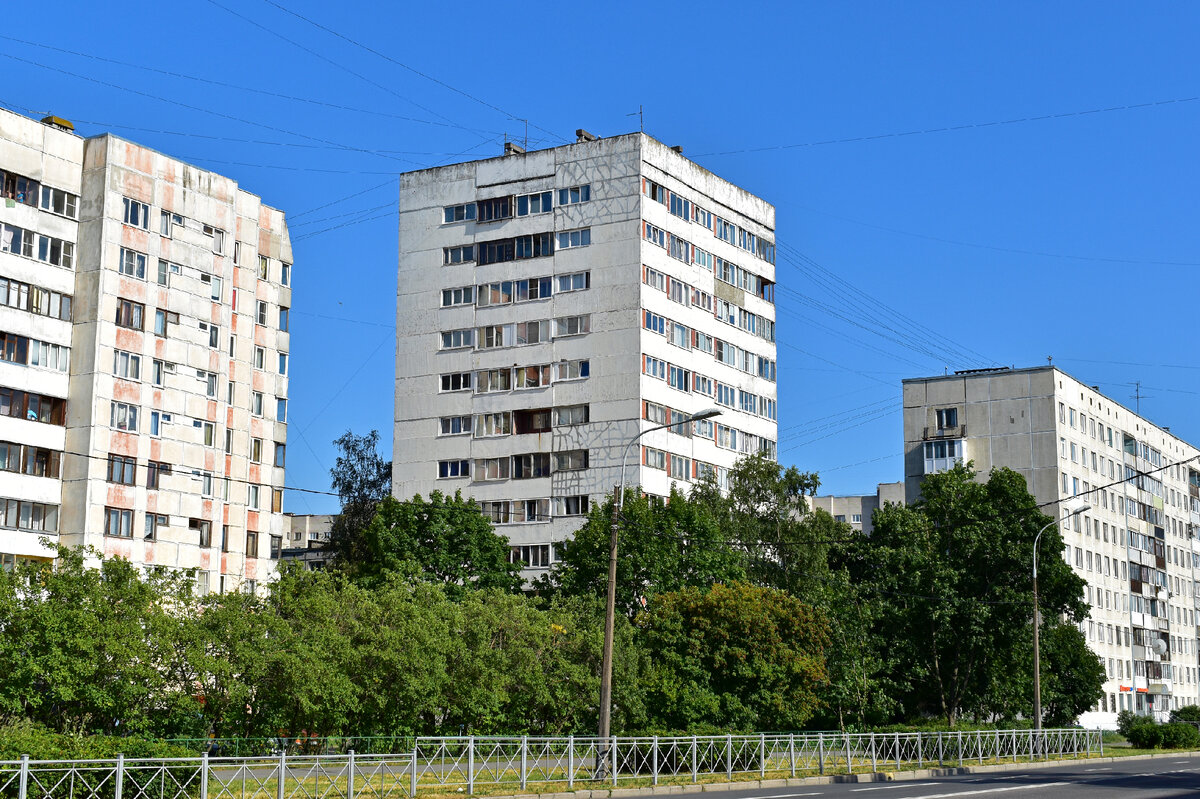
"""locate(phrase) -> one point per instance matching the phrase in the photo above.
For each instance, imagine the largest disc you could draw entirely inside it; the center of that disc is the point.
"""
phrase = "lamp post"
(610, 607)
(1076, 508)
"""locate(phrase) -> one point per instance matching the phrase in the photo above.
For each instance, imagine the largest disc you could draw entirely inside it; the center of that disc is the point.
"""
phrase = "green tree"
(1073, 675)
(662, 546)
(362, 479)
(444, 540)
(952, 574)
(733, 657)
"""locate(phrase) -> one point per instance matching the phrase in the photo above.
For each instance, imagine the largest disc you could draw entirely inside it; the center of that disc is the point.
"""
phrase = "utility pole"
(609, 623)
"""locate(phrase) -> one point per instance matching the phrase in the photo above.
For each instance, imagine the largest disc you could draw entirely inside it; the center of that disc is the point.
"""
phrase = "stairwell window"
(575, 194)
(136, 214)
(947, 418)
(538, 203)
(574, 238)
(133, 264)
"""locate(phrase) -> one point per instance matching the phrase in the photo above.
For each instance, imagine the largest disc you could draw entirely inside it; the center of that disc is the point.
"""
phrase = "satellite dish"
(1159, 646)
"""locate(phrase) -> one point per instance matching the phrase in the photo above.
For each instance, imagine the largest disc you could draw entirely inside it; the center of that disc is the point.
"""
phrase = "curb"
(865, 777)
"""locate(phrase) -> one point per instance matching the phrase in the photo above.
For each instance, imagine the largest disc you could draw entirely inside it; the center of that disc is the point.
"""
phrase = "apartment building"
(553, 304)
(1137, 546)
(857, 510)
(144, 309)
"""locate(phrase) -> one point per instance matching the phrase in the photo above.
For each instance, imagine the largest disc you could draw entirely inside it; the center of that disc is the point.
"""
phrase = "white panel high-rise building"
(552, 304)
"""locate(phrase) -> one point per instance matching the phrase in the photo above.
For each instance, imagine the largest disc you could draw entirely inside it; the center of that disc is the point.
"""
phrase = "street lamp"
(1076, 506)
(610, 609)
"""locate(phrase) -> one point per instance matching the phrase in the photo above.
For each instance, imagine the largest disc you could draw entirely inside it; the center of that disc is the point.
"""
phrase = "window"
(158, 418)
(568, 415)
(167, 222)
(60, 202)
(680, 468)
(492, 424)
(153, 522)
(489, 469)
(155, 471)
(35, 299)
(531, 421)
(941, 456)
(260, 357)
(264, 267)
(572, 461)
(165, 269)
(285, 274)
(571, 506)
(574, 238)
(209, 379)
(534, 556)
(655, 458)
(456, 339)
(218, 237)
(118, 522)
(537, 288)
(256, 450)
(534, 246)
(457, 381)
(575, 194)
(571, 370)
(460, 468)
(135, 213)
(46, 355)
(277, 500)
(458, 255)
(262, 312)
(32, 407)
(454, 425)
(679, 378)
(532, 332)
(121, 469)
(283, 363)
(162, 319)
(132, 263)
(123, 416)
(530, 466)
(280, 453)
(495, 252)
(256, 403)
(947, 417)
(532, 376)
(458, 213)
(129, 314)
(572, 325)
(214, 286)
(253, 496)
(493, 209)
(493, 380)
(208, 428)
(538, 203)
(276, 547)
(251, 544)
(576, 281)
(228, 441)
(459, 296)
(127, 365)
(281, 409)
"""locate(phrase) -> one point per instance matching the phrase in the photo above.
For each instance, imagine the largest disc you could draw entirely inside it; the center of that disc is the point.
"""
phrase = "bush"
(41, 743)
(1180, 735)
(1145, 734)
(1187, 713)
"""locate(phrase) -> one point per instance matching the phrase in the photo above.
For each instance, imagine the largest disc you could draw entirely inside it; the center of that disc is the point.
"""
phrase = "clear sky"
(957, 184)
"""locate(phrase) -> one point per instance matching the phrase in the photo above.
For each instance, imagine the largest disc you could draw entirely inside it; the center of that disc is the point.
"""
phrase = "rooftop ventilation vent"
(512, 148)
(582, 135)
(58, 122)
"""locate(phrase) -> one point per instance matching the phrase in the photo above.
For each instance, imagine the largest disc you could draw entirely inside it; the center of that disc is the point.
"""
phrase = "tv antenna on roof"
(641, 119)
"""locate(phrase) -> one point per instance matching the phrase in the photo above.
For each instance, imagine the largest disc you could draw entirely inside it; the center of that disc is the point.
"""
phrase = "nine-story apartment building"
(553, 304)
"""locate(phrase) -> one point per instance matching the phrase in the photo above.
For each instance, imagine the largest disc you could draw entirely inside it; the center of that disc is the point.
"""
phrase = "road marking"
(991, 790)
(1177, 762)
(784, 795)
(889, 787)
(1106, 768)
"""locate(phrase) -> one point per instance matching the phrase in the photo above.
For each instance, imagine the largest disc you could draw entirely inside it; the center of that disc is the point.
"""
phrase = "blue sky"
(870, 126)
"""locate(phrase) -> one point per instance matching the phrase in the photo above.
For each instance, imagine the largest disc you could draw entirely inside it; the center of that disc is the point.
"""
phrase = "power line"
(376, 187)
(1136, 473)
(951, 128)
(413, 70)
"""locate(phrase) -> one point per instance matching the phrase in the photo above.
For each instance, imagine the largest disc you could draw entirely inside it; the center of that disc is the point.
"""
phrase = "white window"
(493, 424)
(167, 222)
(458, 255)
(256, 403)
(575, 194)
(127, 365)
(571, 370)
(947, 417)
(491, 469)
(572, 325)
(535, 332)
(209, 379)
(464, 295)
(253, 496)
(135, 213)
(132, 264)
(458, 213)
(260, 357)
(539, 203)
(576, 281)
(568, 415)
(454, 425)
(532, 376)
(60, 202)
(454, 469)
(656, 459)
(458, 339)
(283, 363)
(942, 456)
(456, 381)
(165, 269)
(572, 461)
(574, 238)
(571, 506)
(123, 416)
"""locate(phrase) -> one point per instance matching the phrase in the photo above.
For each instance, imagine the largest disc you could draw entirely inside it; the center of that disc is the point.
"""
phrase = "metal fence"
(512, 764)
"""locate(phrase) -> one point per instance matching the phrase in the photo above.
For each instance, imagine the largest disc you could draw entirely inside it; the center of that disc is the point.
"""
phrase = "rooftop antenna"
(1049, 360)
(641, 120)
(1138, 396)
(525, 141)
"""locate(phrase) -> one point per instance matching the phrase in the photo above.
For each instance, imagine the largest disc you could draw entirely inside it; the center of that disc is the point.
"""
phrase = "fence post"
(1087, 743)
(613, 750)
(349, 773)
(412, 777)
(120, 785)
(524, 762)
(920, 750)
(1014, 745)
(960, 749)
(282, 770)
(654, 758)
(941, 751)
(471, 764)
(821, 753)
(1100, 739)
(570, 761)
(979, 744)
(874, 762)
(23, 786)
(792, 752)
(762, 755)
(695, 761)
(728, 758)
(897, 751)
(203, 776)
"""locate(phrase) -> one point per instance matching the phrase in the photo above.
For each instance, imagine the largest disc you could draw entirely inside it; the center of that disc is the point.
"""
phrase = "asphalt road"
(1148, 778)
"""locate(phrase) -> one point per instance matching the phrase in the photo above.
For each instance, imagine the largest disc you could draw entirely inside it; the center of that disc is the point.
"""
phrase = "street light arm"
(625, 456)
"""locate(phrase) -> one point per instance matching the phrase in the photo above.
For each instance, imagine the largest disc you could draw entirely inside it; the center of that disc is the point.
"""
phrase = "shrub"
(1145, 733)
(1180, 735)
(41, 743)
(1187, 713)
